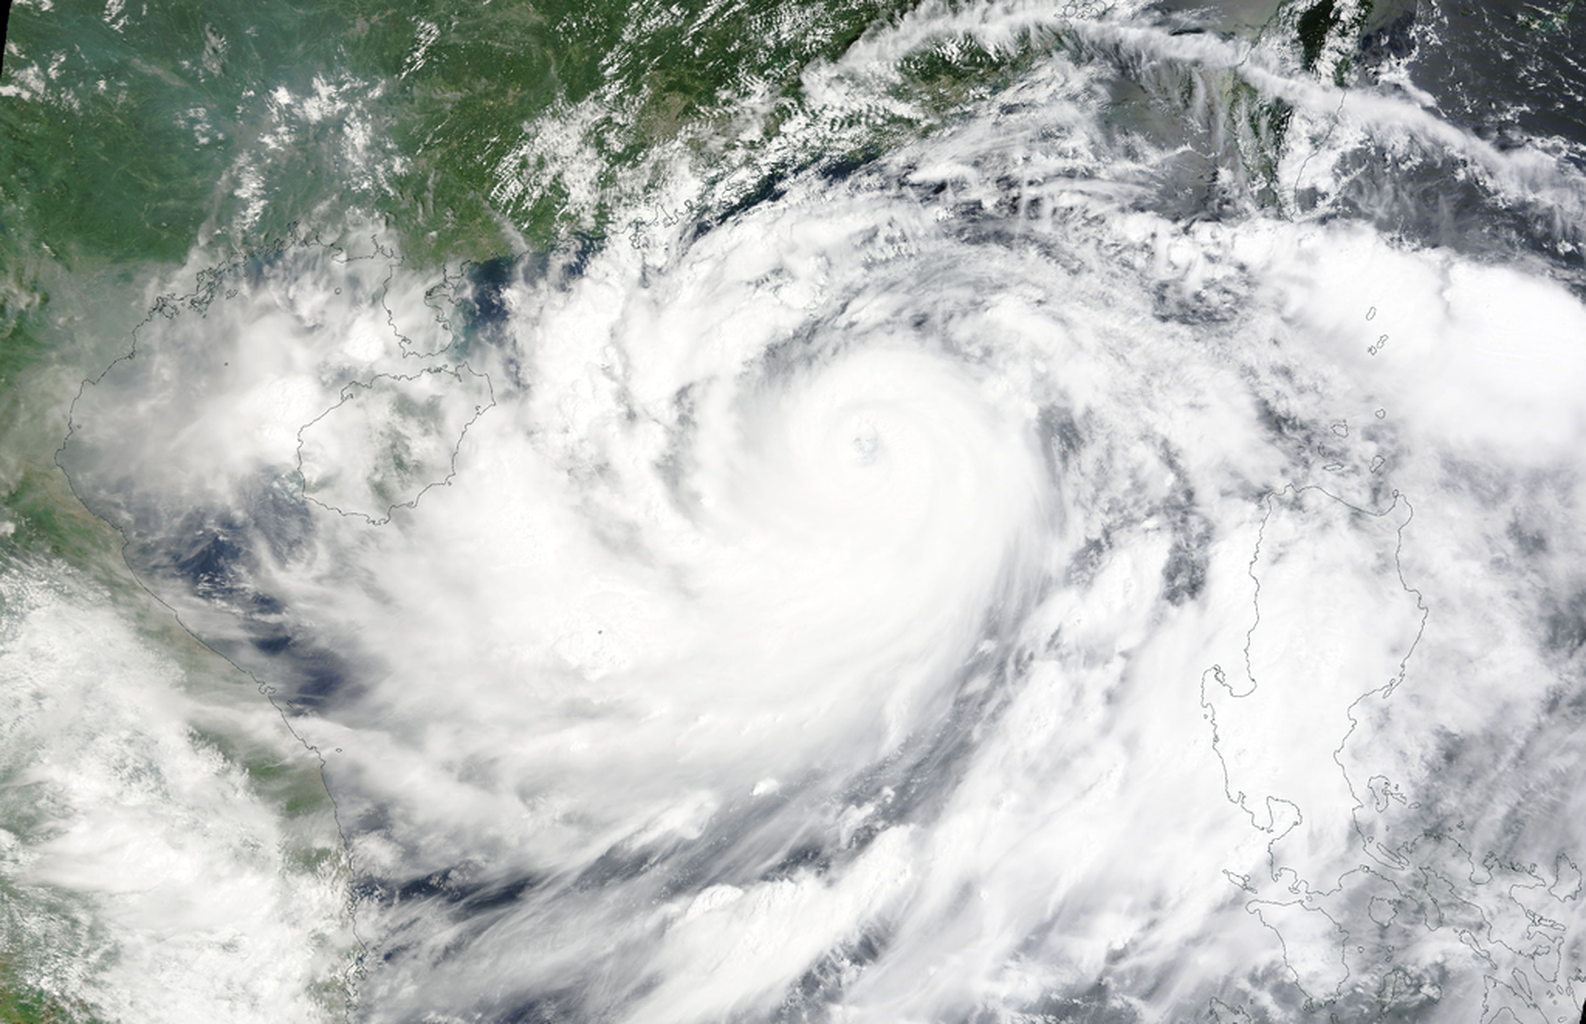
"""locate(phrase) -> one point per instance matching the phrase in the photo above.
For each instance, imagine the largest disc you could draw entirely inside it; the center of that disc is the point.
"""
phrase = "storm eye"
(865, 443)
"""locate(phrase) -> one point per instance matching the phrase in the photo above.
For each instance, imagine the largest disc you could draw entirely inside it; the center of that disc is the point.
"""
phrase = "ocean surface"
(851, 511)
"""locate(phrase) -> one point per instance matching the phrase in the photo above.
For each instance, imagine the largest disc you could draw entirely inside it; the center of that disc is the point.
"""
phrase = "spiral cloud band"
(950, 591)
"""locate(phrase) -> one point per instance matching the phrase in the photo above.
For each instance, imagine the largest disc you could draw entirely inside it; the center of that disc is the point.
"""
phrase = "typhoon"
(966, 513)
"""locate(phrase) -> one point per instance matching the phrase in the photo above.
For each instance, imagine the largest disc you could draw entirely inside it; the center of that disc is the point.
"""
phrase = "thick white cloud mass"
(956, 592)
(150, 873)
